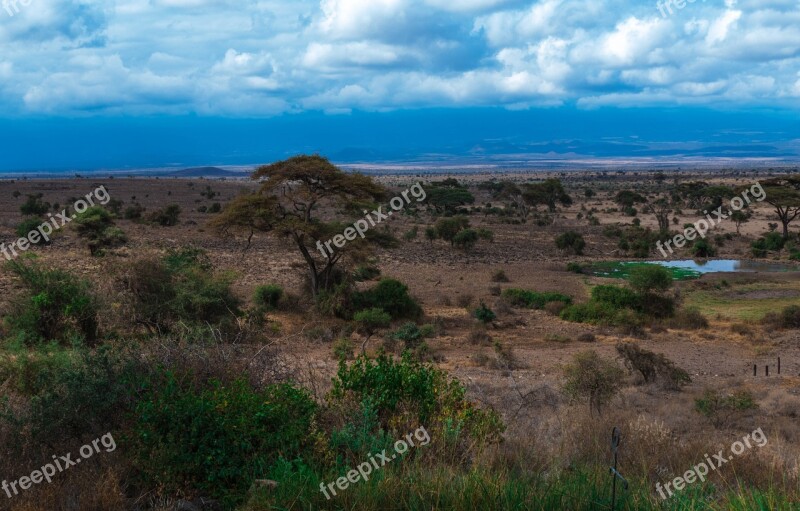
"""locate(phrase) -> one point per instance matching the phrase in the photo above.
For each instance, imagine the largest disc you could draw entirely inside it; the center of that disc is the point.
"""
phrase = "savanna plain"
(238, 366)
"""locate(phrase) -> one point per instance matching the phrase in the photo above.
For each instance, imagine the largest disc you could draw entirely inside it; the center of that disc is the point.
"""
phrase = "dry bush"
(500, 276)
(479, 336)
(587, 337)
(554, 308)
(502, 308)
(261, 365)
(742, 329)
(465, 301)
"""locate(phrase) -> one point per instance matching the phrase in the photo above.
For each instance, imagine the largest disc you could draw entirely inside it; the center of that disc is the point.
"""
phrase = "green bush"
(411, 390)
(55, 306)
(133, 212)
(484, 314)
(29, 225)
(533, 299)
(571, 240)
(370, 320)
(719, 409)
(703, 249)
(96, 225)
(391, 296)
(411, 334)
(219, 438)
(179, 287)
(35, 206)
(574, 268)
(650, 278)
(771, 242)
(83, 393)
(448, 228)
(268, 296)
(465, 239)
(590, 312)
(618, 297)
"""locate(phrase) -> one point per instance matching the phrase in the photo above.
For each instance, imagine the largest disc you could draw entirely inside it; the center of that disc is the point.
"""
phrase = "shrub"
(593, 378)
(35, 206)
(219, 438)
(465, 239)
(571, 240)
(85, 392)
(652, 365)
(166, 217)
(179, 287)
(97, 227)
(574, 268)
(533, 299)
(500, 276)
(486, 234)
(590, 312)
(484, 314)
(391, 296)
(650, 278)
(788, 318)
(448, 228)
(268, 296)
(55, 306)
(29, 225)
(554, 308)
(411, 234)
(772, 241)
(370, 320)
(720, 409)
(688, 319)
(343, 349)
(133, 212)
(618, 297)
(411, 334)
(703, 248)
(408, 390)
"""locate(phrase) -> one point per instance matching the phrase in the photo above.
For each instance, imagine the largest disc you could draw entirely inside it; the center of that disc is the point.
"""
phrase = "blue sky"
(122, 83)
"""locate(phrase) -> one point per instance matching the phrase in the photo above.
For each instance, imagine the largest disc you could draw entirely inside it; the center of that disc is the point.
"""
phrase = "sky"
(128, 83)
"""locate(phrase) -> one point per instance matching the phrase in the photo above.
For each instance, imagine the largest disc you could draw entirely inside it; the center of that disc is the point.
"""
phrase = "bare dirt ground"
(441, 278)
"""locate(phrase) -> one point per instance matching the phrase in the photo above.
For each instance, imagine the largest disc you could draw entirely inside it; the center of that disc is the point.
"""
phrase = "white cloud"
(266, 57)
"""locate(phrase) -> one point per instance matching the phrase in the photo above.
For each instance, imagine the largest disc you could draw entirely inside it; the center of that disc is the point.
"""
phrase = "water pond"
(689, 269)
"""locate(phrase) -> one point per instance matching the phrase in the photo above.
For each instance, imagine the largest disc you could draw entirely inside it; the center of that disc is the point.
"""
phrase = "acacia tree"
(292, 196)
(783, 194)
(548, 193)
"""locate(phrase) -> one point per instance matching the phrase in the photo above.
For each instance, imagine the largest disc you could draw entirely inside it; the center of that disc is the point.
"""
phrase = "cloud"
(268, 57)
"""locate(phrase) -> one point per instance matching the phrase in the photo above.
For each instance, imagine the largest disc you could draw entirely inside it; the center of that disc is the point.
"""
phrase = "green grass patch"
(622, 270)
